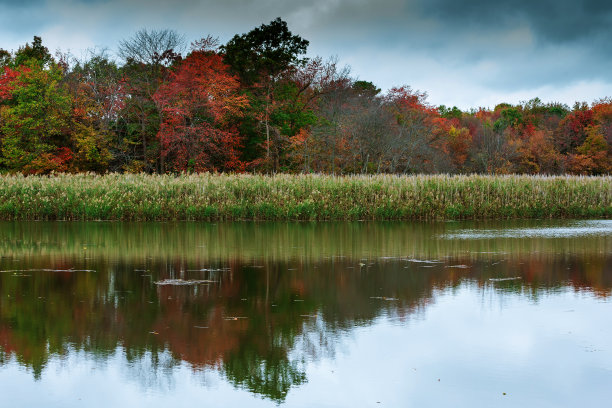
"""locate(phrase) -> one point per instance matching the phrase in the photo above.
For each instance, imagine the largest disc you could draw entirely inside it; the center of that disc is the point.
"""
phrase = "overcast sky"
(464, 53)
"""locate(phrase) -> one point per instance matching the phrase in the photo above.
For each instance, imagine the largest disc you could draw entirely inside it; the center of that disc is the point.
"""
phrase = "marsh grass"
(301, 197)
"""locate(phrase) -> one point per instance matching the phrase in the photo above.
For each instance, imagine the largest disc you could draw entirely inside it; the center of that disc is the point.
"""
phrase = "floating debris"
(383, 298)
(458, 266)
(183, 282)
(209, 270)
(201, 327)
(435, 261)
(505, 279)
(231, 318)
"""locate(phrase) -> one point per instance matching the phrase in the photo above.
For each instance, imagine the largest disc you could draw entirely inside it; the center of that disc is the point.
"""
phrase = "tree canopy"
(258, 104)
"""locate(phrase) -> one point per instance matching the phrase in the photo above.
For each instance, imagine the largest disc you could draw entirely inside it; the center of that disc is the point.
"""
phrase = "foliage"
(267, 50)
(35, 120)
(258, 104)
(198, 103)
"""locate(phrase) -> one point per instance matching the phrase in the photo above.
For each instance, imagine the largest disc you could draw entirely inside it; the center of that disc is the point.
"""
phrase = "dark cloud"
(21, 4)
(557, 21)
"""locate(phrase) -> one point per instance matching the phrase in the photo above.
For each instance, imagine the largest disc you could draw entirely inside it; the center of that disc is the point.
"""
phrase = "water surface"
(306, 314)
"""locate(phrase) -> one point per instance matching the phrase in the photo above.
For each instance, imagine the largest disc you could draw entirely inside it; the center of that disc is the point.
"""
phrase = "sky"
(466, 53)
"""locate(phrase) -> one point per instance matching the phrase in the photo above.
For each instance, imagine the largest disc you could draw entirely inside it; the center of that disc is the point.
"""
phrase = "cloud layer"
(469, 54)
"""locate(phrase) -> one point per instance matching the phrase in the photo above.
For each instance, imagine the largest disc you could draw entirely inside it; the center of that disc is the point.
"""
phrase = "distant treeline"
(257, 104)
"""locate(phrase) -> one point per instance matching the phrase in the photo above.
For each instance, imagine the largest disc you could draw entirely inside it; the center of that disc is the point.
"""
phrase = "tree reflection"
(259, 320)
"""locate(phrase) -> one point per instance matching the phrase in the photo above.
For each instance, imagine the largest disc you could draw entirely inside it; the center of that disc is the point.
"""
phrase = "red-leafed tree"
(8, 77)
(198, 105)
(571, 132)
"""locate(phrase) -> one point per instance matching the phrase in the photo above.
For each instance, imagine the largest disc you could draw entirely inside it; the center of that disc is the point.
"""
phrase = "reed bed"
(301, 197)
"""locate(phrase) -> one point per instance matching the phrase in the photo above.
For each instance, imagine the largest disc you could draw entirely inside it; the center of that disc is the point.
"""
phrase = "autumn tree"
(593, 156)
(35, 113)
(571, 132)
(602, 115)
(419, 143)
(366, 128)
(99, 96)
(303, 116)
(197, 105)
(538, 154)
(331, 91)
(492, 150)
(261, 59)
(459, 141)
(149, 56)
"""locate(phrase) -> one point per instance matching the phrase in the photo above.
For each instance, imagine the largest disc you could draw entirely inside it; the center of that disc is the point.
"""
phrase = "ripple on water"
(573, 229)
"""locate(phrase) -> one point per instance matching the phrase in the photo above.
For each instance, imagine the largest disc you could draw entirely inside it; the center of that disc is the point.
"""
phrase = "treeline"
(257, 104)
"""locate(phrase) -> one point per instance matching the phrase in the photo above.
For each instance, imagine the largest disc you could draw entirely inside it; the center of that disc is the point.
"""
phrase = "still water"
(515, 313)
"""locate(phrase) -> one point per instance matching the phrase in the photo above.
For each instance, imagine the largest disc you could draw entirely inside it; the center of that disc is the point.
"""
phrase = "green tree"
(33, 52)
(35, 120)
(261, 59)
(265, 51)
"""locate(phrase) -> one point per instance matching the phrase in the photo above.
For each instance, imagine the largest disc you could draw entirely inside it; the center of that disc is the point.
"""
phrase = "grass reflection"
(261, 310)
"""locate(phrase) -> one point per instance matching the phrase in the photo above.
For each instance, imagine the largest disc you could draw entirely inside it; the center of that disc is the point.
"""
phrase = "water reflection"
(257, 304)
(569, 229)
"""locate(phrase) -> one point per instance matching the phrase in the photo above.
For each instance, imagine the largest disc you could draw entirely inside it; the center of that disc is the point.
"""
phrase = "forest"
(258, 104)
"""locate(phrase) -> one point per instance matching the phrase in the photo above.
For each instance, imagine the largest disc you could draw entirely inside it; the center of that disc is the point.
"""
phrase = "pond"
(364, 314)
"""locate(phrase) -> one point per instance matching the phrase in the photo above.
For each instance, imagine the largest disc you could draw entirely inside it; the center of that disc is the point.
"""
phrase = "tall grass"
(301, 197)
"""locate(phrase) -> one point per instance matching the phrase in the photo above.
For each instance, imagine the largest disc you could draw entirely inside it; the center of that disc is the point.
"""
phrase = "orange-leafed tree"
(593, 155)
(602, 113)
(459, 140)
(537, 154)
(419, 144)
(199, 104)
